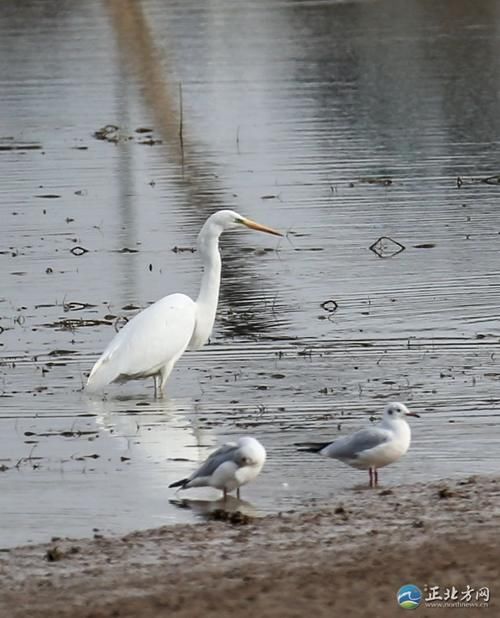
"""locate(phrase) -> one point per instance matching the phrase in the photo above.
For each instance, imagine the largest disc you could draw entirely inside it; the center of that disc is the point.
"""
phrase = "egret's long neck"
(208, 248)
(206, 303)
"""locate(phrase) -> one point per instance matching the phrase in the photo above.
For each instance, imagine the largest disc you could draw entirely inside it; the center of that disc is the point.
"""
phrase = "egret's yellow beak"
(260, 228)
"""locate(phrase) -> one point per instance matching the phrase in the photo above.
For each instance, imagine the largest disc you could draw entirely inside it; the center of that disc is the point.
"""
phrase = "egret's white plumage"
(373, 447)
(229, 467)
(154, 340)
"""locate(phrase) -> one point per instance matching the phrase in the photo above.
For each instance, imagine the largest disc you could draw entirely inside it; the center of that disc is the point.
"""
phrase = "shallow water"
(290, 111)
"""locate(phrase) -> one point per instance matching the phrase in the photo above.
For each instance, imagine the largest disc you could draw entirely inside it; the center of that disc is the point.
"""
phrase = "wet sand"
(348, 558)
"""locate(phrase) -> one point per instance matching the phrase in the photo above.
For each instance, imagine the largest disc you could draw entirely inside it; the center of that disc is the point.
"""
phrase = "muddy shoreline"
(350, 556)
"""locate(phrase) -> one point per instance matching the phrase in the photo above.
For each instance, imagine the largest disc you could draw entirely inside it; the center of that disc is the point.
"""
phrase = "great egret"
(229, 467)
(373, 447)
(154, 340)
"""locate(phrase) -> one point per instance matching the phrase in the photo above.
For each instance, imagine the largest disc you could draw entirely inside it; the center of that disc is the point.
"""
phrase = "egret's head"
(397, 410)
(226, 220)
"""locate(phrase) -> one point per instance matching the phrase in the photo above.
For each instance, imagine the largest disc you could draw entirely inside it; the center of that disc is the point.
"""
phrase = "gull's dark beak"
(413, 414)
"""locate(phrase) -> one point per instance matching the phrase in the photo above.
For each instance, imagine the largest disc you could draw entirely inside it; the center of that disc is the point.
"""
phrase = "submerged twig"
(181, 118)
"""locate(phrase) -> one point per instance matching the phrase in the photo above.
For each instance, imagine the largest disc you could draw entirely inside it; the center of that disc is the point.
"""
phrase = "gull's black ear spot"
(389, 411)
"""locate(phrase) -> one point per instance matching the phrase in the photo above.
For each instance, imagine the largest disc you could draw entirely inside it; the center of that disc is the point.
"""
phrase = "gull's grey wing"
(350, 447)
(227, 452)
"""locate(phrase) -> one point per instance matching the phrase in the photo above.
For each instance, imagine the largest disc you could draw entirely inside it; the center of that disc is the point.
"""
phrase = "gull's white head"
(252, 453)
(397, 410)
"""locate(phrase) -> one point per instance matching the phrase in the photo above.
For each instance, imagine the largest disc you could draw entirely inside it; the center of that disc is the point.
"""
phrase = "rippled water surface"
(338, 123)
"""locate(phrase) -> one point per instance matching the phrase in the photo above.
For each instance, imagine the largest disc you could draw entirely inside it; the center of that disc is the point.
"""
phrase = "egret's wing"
(350, 447)
(227, 452)
(155, 336)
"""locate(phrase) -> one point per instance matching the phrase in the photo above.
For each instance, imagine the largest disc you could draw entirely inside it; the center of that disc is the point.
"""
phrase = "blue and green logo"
(409, 596)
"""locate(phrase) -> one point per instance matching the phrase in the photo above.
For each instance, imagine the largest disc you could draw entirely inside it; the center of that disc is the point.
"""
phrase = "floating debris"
(386, 247)
(61, 352)
(127, 250)
(492, 180)
(305, 352)
(18, 146)
(79, 250)
(150, 142)
(177, 249)
(64, 434)
(260, 251)
(489, 180)
(72, 324)
(48, 196)
(329, 305)
(383, 181)
(75, 306)
(108, 133)
(120, 322)
(112, 133)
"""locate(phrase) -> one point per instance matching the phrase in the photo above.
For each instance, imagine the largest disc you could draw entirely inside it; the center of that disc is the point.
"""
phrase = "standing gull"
(373, 447)
(232, 465)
